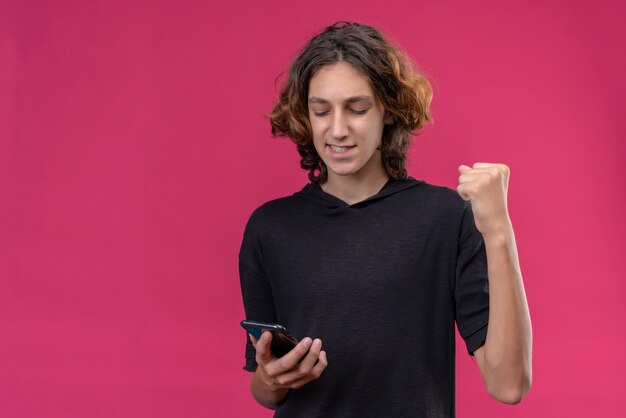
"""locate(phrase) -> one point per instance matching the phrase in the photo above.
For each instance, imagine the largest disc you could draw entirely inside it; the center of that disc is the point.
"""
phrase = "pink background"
(133, 148)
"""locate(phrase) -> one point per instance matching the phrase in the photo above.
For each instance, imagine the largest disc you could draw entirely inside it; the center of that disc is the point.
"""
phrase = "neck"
(352, 189)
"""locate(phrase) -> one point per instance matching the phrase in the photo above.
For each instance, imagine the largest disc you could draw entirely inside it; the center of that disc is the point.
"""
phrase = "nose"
(339, 127)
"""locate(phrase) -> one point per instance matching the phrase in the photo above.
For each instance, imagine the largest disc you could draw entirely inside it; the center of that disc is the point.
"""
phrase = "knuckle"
(270, 371)
(281, 363)
(320, 368)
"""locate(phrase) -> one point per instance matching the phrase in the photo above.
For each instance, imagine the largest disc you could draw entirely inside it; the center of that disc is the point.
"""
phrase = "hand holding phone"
(303, 363)
(282, 341)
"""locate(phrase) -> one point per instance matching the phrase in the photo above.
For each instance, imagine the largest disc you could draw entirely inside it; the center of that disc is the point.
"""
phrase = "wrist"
(499, 233)
(265, 392)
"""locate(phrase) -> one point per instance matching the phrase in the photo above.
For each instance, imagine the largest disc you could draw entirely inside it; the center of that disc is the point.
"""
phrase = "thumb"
(263, 346)
(254, 340)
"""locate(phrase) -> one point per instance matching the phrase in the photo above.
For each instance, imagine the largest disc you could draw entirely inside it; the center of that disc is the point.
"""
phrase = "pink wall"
(133, 149)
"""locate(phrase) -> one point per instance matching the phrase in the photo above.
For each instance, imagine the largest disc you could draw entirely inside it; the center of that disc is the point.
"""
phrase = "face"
(347, 122)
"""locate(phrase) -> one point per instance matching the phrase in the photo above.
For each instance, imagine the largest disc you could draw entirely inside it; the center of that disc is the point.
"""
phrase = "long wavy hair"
(405, 93)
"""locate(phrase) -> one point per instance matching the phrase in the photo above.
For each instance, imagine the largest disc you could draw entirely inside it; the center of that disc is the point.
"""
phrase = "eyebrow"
(367, 99)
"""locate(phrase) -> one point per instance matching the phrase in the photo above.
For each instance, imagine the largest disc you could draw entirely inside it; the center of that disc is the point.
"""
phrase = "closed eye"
(356, 112)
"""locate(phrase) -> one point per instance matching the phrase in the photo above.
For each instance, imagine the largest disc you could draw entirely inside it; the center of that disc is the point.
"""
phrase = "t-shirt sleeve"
(471, 284)
(255, 289)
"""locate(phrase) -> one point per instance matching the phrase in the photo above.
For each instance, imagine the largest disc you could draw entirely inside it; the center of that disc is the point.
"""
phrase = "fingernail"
(317, 342)
(307, 342)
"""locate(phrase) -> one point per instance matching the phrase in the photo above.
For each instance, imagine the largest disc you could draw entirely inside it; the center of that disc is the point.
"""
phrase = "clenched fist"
(485, 186)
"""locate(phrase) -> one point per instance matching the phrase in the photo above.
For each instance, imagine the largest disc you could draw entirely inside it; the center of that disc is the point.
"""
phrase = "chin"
(338, 169)
(344, 173)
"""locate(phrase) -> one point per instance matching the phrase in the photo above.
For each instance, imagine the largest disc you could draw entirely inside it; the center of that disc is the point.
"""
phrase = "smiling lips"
(340, 151)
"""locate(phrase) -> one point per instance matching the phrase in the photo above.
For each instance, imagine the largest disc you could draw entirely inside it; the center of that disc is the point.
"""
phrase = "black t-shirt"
(381, 282)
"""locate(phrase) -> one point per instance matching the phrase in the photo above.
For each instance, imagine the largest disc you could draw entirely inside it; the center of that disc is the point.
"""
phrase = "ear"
(388, 118)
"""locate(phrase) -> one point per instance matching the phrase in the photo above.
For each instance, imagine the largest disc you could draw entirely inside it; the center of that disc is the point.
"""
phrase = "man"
(375, 264)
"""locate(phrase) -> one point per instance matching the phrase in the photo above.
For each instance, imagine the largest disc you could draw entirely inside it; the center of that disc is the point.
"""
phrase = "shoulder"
(439, 197)
(274, 207)
(454, 209)
(261, 224)
(270, 212)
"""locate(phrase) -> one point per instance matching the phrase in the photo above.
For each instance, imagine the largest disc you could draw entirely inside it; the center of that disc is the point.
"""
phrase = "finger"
(464, 192)
(263, 353)
(463, 168)
(486, 170)
(487, 165)
(289, 360)
(254, 340)
(483, 165)
(309, 361)
(466, 177)
(321, 364)
(492, 169)
(315, 373)
(302, 370)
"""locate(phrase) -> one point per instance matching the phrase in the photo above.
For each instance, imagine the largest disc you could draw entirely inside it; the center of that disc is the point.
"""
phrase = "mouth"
(335, 149)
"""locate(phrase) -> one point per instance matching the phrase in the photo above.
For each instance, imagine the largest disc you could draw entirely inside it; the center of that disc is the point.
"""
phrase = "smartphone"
(282, 341)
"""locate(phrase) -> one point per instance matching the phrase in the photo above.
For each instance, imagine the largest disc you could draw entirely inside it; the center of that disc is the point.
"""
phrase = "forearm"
(265, 395)
(508, 346)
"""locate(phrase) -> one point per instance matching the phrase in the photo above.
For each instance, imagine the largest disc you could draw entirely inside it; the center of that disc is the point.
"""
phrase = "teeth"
(339, 149)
